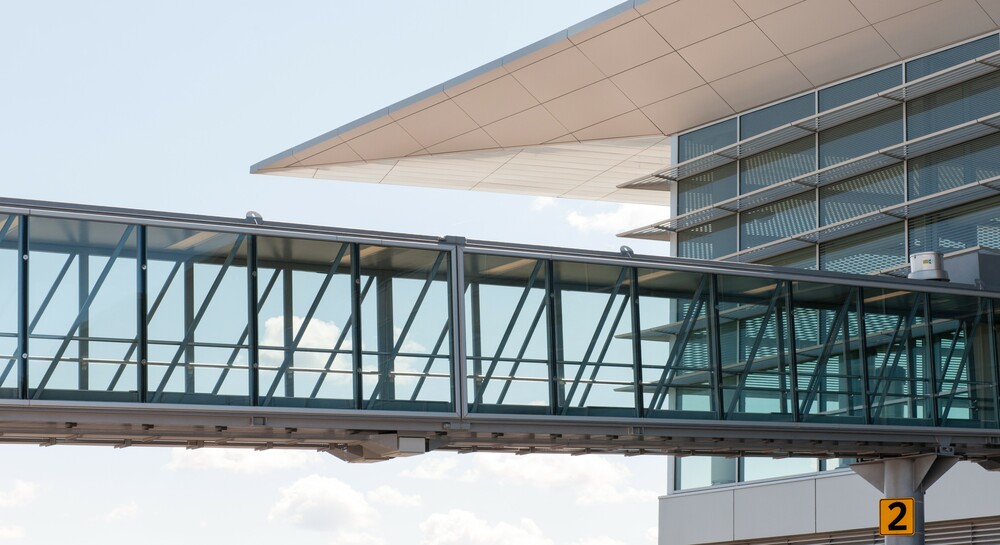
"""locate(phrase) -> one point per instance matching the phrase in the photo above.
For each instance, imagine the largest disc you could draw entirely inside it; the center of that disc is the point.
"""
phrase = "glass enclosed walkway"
(118, 309)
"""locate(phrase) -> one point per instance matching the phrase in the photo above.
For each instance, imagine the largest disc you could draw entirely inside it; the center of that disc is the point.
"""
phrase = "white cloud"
(457, 527)
(124, 511)
(319, 334)
(22, 493)
(323, 503)
(623, 218)
(432, 469)
(387, 495)
(240, 460)
(541, 203)
(343, 537)
(11, 532)
(594, 480)
(653, 535)
(599, 540)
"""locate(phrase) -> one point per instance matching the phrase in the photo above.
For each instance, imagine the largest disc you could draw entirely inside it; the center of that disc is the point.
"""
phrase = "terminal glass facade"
(855, 176)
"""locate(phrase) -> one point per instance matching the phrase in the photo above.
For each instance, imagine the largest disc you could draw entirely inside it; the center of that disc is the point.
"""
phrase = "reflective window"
(798, 259)
(705, 189)
(305, 323)
(593, 349)
(673, 337)
(976, 224)
(765, 119)
(899, 388)
(82, 310)
(198, 315)
(9, 260)
(953, 106)
(778, 164)
(861, 195)
(709, 241)
(777, 220)
(866, 252)
(406, 329)
(963, 356)
(856, 138)
(936, 62)
(757, 468)
(754, 346)
(506, 335)
(705, 140)
(827, 360)
(955, 166)
(857, 88)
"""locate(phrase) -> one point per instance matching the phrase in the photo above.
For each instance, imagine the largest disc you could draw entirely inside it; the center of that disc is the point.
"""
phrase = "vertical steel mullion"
(863, 354)
(356, 338)
(142, 315)
(477, 345)
(551, 330)
(995, 358)
(714, 345)
(288, 313)
(640, 410)
(253, 325)
(83, 345)
(456, 279)
(22, 310)
(931, 358)
(188, 347)
(793, 354)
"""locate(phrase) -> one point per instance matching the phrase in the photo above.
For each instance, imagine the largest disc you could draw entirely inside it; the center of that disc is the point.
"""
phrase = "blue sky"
(165, 106)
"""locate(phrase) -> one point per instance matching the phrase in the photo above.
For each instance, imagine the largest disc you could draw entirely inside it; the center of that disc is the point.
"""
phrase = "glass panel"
(976, 224)
(755, 468)
(955, 166)
(827, 358)
(709, 241)
(857, 88)
(406, 329)
(953, 106)
(861, 195)
(304, 317)
(9, 259)
(963, 357)
(673, 337)
(778, 164)
(936, 62)
(856, 138)
(777, 220)
(197, 317)
(507, 336)
(777, 115)
(799, 259)
(754, 343)
(864, 253)
(705, 140)
(896, 343)
(692, 472)
(82, 309)
(706, 189)
(593, 351)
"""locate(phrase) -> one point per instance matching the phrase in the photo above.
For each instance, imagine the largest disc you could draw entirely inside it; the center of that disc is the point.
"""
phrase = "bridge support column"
(906, 477)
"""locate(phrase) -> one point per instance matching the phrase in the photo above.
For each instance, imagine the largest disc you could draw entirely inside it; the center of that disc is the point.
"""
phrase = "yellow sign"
(895, 517)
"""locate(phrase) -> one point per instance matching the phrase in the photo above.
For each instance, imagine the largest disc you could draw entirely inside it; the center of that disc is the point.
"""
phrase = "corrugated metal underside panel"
(979, 531)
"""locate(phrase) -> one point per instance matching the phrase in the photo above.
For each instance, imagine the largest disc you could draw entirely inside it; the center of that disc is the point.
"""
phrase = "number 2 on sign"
(895, 517)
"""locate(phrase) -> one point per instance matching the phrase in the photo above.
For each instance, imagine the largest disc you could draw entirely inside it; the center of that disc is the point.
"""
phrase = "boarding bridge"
(132, 328)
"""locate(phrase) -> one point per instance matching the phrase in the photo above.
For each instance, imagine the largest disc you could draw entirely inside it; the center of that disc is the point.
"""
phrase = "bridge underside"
(128, 328)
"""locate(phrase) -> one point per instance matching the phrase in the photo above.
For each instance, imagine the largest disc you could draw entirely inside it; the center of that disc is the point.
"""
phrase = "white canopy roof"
(589, 108)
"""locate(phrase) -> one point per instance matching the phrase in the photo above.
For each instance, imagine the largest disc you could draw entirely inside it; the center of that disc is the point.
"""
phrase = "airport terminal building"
(831, 135)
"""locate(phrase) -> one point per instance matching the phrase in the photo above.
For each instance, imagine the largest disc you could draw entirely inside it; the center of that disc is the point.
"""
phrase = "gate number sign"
(895, 517)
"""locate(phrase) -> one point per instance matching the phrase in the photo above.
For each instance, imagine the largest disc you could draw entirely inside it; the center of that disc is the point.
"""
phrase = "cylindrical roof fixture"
(927, 266)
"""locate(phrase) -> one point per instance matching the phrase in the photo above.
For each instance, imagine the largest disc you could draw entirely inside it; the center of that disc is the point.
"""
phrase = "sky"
(164, 106)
